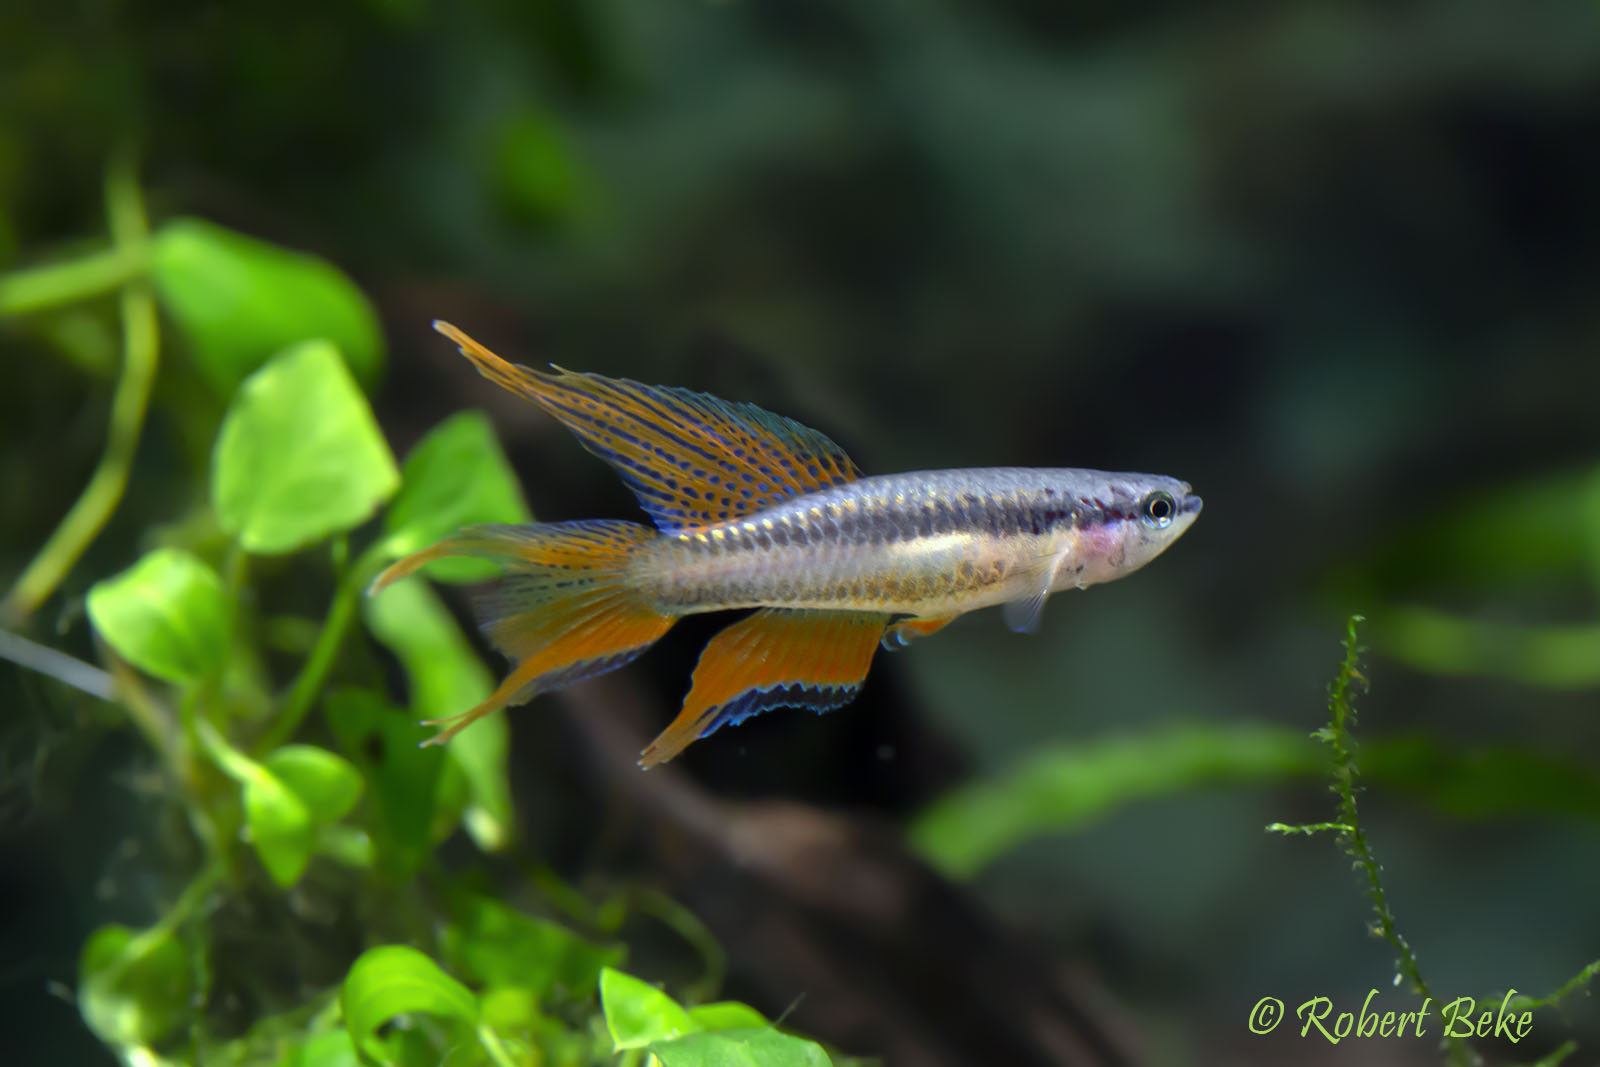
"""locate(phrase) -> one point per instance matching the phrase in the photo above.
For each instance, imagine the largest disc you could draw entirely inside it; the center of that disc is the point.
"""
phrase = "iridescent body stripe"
(927, 543)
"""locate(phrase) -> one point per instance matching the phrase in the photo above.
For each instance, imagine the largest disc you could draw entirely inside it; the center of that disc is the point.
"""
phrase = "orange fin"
(902, 633)
(690, 458)
(563, 611)
(775, 658)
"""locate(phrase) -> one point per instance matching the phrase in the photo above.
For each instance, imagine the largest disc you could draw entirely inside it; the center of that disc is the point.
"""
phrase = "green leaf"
(332, 1048)
(456, 476)
(1556, 656)
(395, 980)
(278, 821)
(498, 946)
(637, 1013)
(280, 827)
(446, 677)
(238, 300)
(167, 615)
(1063, 788)
(300, 456)
(327, 784)
(726, 1015)
(385, 743)
(740, 1048)
(134, 987)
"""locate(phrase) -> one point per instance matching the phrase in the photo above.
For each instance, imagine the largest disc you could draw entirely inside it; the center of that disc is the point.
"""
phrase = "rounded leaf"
(280, 827)
(133, 987)
(327, 784)
(726, 1015)
(238, 300)
(166, 615)
(332, 1048)
(300, 456)
(395, 980)
(740, 1048)
(637, 1013)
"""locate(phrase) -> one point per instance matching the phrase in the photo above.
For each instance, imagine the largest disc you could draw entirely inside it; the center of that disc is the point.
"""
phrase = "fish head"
(1125, 521)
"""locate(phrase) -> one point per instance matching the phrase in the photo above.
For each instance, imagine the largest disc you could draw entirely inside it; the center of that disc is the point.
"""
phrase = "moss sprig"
(1338, 735)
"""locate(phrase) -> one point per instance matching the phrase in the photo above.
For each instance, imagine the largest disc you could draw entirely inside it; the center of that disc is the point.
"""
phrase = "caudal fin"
(562, 612)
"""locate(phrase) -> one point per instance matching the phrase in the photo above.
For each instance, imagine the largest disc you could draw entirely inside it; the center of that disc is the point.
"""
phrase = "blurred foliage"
(1071, 786)
(300, 461)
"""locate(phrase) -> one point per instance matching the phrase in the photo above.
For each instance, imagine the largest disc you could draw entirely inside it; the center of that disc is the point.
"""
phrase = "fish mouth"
(1191, 505)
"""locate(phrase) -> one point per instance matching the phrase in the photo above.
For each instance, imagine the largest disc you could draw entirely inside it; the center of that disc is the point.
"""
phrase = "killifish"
(754, 510)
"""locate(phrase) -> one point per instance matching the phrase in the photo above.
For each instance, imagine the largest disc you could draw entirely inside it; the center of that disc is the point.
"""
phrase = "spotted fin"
(902, 633)
(690, 458)
(564, 610)
(775, 658)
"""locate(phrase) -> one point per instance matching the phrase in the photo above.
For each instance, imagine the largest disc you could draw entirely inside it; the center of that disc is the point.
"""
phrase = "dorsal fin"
(691, 459)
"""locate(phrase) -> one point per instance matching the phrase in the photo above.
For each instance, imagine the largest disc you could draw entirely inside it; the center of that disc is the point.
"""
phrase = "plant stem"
(55, 284)
(141, 347)
(496, 1049)
(688, 926)
(101, 496)
(317, 666)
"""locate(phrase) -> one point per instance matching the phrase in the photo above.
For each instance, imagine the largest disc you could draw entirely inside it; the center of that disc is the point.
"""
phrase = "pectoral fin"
(1025, 613)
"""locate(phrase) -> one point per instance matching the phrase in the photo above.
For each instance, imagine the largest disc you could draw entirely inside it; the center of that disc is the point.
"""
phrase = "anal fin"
(775, 658)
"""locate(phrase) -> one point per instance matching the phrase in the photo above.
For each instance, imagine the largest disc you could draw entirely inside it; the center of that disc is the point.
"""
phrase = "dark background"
(1335, 263)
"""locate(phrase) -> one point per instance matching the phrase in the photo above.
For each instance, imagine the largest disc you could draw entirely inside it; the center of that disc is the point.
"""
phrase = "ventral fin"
(902, 633)
(691, 459)
(775, 658)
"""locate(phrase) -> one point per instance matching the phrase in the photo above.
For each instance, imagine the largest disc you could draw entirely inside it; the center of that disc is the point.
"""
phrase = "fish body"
(752, 510)
(929, 544)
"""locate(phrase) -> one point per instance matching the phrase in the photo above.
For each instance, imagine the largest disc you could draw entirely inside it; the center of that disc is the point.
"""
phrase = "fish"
(752, 510)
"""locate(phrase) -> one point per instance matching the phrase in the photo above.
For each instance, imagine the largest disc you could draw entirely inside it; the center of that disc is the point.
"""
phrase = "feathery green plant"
(1339, 736)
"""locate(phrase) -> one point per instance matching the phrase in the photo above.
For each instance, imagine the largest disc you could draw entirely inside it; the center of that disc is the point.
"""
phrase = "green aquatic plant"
(276, 740)
(1339, 736)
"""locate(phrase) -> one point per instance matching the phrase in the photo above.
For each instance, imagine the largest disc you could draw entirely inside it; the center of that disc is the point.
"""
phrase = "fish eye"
(1158, 509)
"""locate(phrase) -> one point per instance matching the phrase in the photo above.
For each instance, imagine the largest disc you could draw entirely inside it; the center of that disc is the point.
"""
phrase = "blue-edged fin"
(690, 458)
(564, 610)
(775, 658)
